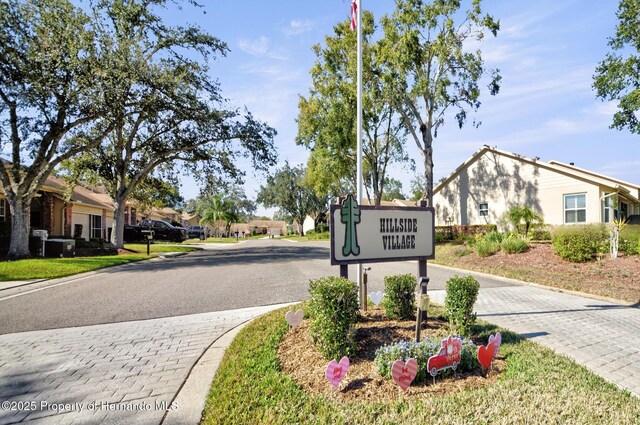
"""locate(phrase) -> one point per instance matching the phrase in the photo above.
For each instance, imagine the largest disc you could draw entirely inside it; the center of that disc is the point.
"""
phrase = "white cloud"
(297, 27)
(258, 47)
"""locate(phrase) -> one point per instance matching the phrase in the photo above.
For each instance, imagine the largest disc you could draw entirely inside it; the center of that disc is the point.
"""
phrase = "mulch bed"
(301, 360)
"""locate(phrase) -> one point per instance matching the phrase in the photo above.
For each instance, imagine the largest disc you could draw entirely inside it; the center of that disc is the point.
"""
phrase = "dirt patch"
(614, 278)
(301, 360)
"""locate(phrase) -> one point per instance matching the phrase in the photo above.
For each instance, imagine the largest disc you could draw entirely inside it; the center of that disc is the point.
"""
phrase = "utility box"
(38, 248)
(60, 248)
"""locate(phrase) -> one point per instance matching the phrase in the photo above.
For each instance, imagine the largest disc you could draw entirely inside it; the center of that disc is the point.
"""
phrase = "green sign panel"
(368, 234)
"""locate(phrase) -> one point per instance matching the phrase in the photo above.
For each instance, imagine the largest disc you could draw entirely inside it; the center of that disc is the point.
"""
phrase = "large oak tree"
(167, 111)
(50, 70)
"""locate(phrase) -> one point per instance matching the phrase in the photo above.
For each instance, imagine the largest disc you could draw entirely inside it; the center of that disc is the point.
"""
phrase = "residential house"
(484, 187)
(89, 213)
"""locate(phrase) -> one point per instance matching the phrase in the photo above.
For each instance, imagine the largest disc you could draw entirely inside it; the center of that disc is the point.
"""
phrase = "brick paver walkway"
(116, 373)
(601, 335)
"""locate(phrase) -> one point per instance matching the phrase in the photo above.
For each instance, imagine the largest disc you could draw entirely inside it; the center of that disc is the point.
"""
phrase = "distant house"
(259, 227)
(485, 186)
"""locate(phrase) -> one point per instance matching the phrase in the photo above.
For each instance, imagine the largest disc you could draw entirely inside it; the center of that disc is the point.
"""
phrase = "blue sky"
(547, 52)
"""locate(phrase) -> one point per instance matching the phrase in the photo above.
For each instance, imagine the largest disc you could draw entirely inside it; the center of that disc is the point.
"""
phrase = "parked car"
(162, 231)
(199, 232)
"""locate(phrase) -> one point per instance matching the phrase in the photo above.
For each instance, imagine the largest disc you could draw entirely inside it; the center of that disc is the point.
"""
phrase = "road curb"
(192, 396)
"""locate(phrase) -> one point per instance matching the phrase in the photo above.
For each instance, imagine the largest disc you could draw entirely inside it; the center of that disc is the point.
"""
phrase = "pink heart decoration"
(496, 340)
(294, 319)
(404, 374)
(336, 371)
(485, 354)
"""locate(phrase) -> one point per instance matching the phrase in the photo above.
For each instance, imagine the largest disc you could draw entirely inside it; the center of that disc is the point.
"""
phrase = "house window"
(608, 212)
(3, 210)
(96, 227)
(575, 208)
(484, 210)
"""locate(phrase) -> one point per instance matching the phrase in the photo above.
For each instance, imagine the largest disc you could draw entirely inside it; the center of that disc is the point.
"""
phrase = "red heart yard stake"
(485, 354)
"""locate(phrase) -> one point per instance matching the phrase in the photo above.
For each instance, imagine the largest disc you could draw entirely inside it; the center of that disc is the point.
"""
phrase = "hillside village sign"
(370, 234)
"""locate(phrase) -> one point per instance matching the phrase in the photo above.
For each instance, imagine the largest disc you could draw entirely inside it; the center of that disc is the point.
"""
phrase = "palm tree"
(519, 214)
(212, 211)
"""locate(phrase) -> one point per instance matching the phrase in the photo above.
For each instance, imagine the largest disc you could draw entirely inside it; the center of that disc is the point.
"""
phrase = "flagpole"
(363, 296)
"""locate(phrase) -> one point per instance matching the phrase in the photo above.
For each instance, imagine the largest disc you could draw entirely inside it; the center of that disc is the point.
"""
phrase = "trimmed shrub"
(579, 243)
(450, 233)
(630, 239)
(420, 352)
(462, 293)
(486, 248)
(333, 309)
(515, 245)
(399, 296)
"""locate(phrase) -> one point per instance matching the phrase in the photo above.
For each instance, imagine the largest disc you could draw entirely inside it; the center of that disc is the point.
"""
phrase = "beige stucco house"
(485, 186)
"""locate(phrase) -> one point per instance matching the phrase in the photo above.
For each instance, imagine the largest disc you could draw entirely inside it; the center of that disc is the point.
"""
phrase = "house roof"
(579, 174)
(594, 174)
(79, 194)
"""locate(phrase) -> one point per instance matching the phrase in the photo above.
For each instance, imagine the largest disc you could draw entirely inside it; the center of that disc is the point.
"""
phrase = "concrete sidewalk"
(145, 372)
(602, 335)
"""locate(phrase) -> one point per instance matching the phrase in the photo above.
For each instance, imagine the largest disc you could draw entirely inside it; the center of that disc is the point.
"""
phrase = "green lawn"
(50, 268)
(537, 387)
(141, 247)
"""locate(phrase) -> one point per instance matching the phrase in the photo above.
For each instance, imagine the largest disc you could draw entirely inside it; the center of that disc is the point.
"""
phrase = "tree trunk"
(427, 154)
(20, 227)
(117, 234)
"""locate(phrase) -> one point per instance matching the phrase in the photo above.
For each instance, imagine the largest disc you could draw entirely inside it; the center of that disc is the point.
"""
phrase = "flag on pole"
(354, 15)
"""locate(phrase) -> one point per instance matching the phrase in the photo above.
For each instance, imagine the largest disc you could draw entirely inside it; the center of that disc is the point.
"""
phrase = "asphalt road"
(222, 277)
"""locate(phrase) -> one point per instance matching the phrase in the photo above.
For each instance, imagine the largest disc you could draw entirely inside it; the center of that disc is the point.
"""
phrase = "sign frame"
(332, 230)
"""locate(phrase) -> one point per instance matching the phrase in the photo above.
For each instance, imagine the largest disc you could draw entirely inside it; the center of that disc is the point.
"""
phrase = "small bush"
(515, 245)
(333, 308)
(580, 243)
(399, 296)
(630, 240)
(486, 248)
(494, 237)
(420, 352)
(462, 293)
(540, 233)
